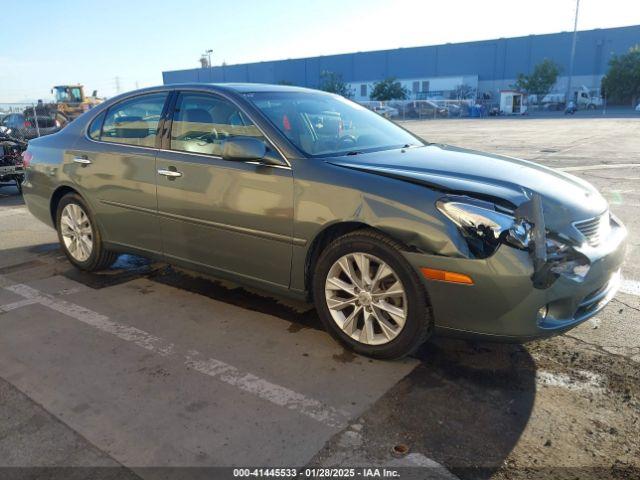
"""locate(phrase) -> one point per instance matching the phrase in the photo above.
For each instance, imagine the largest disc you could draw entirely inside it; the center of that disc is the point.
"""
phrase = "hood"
(565, 198)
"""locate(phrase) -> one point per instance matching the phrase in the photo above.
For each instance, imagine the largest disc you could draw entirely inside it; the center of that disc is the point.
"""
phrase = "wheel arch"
(327, 235)
(57, 195)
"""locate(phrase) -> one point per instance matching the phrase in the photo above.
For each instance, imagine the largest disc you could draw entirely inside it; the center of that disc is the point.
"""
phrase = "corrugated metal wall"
(491, 60)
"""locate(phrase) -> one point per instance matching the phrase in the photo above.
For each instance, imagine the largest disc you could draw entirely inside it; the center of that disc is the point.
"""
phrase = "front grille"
(595, 229)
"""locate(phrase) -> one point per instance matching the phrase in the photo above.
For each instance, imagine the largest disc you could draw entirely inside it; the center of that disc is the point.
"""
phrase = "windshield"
(323, 125)
(68, 94)
(62, 95)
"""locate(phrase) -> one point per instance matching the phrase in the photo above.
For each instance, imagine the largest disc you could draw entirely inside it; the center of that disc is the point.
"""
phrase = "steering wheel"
(347, 141)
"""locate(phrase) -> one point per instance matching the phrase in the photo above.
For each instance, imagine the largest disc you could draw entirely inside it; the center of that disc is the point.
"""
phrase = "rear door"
(114, 168)
(235, 217)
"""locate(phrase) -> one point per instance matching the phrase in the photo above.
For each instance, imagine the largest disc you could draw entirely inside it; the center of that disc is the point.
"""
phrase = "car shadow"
(470, 402)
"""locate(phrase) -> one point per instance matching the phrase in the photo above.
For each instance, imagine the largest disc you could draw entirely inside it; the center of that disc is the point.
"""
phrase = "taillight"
(27, 156)
(27, 124)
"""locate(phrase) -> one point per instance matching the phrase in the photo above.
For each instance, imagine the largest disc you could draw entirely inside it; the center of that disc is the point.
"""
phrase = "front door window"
(202, 123)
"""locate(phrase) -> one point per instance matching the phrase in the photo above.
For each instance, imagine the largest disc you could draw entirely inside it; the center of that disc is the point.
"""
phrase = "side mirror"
(243, 149)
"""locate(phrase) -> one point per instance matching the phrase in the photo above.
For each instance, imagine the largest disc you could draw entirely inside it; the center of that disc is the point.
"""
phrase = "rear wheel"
(369, 297)
(79, 235)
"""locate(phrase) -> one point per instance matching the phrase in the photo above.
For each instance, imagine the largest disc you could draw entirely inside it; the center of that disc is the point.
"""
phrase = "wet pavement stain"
(196, 406)
(296, 327)
(21, 266)
(347, 356)
(45, 248)
(125, 269)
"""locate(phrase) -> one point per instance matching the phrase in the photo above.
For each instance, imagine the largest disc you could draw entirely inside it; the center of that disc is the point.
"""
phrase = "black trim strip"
(130, 207)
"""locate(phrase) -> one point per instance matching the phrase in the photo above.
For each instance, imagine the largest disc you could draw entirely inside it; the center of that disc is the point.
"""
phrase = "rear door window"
(134, 121)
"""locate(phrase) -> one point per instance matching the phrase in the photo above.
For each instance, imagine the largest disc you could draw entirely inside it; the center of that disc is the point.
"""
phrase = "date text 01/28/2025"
(316, 473)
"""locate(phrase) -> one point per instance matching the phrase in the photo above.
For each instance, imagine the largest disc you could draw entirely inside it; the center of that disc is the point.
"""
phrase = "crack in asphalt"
(602, 348)
(626, 305)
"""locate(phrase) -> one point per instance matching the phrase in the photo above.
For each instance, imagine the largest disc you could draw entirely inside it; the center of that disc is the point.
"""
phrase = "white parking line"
(581, 380)
(19, 304)
(224, 372)
(631, 287)
(9, 212)
(607, 166)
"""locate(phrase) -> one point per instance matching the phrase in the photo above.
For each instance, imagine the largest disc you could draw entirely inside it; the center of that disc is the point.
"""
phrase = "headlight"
(483, 226)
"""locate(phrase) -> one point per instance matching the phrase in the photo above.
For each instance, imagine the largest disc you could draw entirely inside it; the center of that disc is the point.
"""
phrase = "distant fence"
(27, 120)
(432, 109)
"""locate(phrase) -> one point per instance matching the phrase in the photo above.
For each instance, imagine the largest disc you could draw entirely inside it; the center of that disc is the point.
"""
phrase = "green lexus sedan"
(307, 194)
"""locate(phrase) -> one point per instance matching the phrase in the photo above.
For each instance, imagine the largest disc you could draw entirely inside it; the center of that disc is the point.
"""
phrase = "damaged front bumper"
(507, 301)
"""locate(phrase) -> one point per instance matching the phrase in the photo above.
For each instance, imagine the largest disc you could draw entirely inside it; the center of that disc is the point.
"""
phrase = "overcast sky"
(92, 42)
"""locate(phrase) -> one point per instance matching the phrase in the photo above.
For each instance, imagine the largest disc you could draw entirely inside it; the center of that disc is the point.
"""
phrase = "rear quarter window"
(96, 126)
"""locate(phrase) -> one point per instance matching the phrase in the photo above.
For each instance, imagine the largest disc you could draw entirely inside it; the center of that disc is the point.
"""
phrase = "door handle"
(169, 173)
(82, 160)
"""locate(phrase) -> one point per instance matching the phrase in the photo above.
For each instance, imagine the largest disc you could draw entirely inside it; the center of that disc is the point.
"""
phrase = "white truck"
(583, 97)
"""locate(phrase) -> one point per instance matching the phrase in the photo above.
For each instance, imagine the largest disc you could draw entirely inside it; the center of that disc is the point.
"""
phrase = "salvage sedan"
(307, 194)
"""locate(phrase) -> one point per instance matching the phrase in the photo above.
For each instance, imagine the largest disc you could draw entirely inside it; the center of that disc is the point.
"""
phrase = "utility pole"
(117, 81)
(573, 54)
(208, 54)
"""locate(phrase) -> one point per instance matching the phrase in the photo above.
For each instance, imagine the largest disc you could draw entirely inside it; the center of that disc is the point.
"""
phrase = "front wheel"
(369, 297)
(79, 235)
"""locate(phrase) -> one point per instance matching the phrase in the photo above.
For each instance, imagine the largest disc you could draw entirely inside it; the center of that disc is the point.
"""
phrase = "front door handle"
(82, 160)
(169, 173)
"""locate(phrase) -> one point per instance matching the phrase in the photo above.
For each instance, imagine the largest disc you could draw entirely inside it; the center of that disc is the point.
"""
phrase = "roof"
(242, 87)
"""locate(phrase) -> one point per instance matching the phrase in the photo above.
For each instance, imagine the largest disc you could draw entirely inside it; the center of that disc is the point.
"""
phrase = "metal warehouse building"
(434, 71)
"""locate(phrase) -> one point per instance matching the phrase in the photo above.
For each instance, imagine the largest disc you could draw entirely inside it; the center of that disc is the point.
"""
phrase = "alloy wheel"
(76, 232)
(366, 298)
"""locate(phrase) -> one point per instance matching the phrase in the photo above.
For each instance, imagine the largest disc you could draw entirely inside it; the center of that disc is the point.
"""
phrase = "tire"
(398, 338)
(92, 259)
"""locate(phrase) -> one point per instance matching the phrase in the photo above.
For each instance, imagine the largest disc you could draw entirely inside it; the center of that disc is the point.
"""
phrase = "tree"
(332, 82)
(622, 81)
(541, 80)
(388, 89)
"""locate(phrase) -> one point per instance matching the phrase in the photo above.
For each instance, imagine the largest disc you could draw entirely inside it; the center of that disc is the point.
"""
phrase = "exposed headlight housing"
(483, 226)
(566, 261)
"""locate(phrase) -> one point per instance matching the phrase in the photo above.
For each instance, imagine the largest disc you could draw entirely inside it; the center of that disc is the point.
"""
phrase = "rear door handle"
(82, 160)
(169, 173)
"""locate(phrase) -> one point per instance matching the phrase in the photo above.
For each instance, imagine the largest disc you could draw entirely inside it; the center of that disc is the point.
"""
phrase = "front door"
(230, 216)
(114, 168)
(517, 102)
